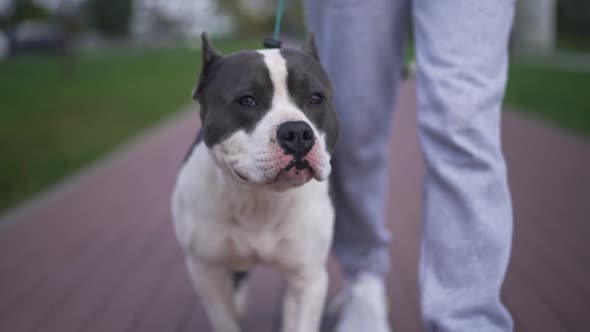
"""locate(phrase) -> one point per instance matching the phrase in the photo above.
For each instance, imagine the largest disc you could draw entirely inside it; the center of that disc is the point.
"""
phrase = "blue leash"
(274, 41)
(279, 17)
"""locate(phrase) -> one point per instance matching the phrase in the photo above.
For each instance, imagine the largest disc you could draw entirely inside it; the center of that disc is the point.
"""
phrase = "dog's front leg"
(304, 300)
(214, 286)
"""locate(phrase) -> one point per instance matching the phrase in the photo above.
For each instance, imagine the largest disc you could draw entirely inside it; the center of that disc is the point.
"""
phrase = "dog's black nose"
(296, 138)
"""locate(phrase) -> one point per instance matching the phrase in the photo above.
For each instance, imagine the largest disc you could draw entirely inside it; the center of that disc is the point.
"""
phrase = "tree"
(111, 17)
(573, 18)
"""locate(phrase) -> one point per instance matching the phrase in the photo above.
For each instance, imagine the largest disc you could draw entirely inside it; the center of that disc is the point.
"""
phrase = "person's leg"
(360, 44)
(462, 63)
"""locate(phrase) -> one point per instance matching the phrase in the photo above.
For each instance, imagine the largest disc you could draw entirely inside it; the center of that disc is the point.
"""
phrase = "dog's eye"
(247, 101)
(316, 98)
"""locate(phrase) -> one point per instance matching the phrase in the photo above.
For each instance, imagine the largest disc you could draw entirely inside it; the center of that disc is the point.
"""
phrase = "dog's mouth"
(299, 164)
(296, 173)
(240, 175)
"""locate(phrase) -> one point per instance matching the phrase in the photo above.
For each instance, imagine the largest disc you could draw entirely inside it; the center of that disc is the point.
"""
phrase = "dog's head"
(267, 115)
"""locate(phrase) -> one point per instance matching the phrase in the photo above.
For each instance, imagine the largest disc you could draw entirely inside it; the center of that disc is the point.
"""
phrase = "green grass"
(51, 124)
(571, 44)
(559, 95)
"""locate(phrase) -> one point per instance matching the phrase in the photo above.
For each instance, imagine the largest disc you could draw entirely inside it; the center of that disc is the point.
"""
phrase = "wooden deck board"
(102, 256)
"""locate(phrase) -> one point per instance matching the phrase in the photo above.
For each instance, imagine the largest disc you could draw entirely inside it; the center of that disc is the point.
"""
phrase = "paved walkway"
(99, 254)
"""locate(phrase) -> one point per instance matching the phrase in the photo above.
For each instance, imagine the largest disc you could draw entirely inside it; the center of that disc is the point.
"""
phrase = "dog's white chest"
(243, 247)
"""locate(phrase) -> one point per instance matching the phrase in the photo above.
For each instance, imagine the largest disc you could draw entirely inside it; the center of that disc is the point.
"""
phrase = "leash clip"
(271, 42)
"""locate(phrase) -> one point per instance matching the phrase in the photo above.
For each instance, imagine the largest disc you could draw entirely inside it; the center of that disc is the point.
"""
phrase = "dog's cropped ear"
(210, 56)
(310, 48)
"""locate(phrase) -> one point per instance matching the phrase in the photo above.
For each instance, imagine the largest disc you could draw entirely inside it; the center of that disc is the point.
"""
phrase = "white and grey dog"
(253, 188)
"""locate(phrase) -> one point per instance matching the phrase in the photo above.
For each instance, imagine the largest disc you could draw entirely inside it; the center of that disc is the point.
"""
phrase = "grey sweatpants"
(461, 48)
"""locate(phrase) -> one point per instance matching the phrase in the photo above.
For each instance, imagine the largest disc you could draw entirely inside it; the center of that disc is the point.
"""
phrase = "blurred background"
(81, 78)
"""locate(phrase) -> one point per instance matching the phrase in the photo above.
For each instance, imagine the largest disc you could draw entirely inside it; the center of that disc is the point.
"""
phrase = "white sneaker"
(364, 306)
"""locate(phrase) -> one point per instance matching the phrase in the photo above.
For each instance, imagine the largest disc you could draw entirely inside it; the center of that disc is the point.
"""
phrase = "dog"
(253, 188)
